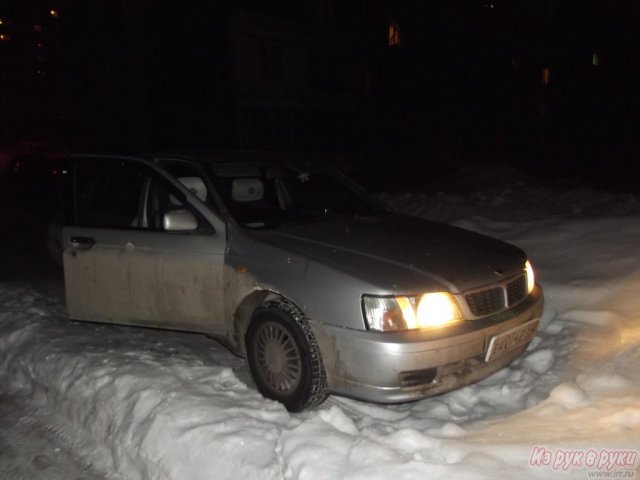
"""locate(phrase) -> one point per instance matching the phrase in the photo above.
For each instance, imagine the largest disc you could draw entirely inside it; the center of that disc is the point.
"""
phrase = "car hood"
(399, 252)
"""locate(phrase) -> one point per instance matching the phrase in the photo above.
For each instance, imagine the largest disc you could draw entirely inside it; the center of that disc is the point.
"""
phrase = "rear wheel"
(284, 357)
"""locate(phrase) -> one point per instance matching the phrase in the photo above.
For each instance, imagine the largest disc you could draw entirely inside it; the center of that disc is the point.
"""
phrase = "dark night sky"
(465, 82)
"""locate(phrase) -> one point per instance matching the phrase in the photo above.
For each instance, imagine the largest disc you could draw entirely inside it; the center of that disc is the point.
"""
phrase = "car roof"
(238, 155)
(216, 159)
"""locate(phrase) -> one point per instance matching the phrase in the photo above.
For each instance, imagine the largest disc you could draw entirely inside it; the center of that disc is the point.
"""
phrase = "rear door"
(122, 266)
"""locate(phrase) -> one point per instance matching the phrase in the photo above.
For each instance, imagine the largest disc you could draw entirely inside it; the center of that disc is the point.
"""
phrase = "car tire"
(284, 357)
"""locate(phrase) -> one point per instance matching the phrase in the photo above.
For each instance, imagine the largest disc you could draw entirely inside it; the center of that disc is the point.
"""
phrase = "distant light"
(4, 38)
(595, 59)
(37, 28)
(1, 22)
(546, 76)
(54, 13)
(394, 34)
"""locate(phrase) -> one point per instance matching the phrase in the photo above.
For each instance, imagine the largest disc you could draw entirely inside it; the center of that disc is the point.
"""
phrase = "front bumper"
(405, 366)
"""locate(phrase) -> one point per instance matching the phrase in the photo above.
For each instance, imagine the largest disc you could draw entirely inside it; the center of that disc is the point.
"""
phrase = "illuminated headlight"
(531, 279)
(410, 312)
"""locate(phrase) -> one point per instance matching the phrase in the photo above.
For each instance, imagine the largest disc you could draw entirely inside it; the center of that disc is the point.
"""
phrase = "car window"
(194, 179)
(263, 196)
(109, 193)
(126, 194)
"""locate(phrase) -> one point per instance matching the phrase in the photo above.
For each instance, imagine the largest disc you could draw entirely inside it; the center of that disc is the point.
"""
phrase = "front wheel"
(284, 357)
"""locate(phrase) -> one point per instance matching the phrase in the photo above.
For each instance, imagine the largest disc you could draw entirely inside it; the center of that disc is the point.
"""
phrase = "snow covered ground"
(87, 401)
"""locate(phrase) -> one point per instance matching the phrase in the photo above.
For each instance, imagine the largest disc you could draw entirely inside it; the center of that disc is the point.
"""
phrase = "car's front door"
(120, 263)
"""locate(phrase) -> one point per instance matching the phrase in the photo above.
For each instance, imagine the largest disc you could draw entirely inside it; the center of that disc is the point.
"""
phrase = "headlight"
(407, 313)
(531, 279)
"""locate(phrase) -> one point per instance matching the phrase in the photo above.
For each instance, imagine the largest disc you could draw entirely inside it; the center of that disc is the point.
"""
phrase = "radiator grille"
(495, 299)
(486, 302)
(516, 290)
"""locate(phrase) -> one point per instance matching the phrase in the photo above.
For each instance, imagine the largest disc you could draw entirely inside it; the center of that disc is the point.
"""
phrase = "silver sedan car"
(293, 266)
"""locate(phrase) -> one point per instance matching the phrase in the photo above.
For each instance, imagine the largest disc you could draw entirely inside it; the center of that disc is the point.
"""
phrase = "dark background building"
(154, 75)
(552, 86)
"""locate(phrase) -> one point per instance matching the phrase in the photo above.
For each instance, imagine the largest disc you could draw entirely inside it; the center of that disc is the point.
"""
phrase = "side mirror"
(179, 221)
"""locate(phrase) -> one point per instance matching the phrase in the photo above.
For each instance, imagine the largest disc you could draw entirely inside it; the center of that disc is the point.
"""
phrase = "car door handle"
(82, 243)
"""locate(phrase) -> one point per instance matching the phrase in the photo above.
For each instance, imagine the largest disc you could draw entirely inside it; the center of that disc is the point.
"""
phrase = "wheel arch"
(244, 314)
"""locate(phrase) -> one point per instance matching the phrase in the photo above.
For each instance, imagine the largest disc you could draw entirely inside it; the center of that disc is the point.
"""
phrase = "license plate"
(511, 339)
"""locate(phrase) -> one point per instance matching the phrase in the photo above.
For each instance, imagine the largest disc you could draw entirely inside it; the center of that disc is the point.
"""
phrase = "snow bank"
(501, 192)
(140, 403)
(146, 404)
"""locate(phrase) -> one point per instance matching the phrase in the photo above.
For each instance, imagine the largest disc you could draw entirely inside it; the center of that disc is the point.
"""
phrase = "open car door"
(138, 253)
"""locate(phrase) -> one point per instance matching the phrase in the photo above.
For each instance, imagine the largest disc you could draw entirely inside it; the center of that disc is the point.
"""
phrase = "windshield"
(265, 196)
